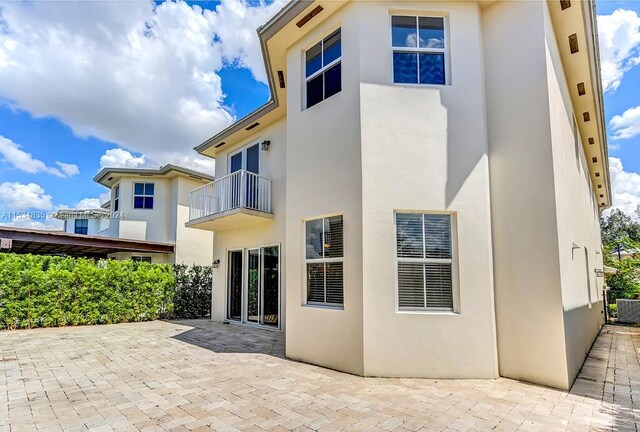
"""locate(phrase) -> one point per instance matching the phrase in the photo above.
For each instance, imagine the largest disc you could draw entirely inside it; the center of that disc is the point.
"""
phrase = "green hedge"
(45, 291)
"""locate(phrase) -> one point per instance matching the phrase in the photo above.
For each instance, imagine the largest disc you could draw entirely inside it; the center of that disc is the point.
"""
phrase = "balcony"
(233, 201)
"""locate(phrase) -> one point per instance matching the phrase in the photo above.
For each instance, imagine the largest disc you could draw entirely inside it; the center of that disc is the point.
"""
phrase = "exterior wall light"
(215, 263)
(265, 145)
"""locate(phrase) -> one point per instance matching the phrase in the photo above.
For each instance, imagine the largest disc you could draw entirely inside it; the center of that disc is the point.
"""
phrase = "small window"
(323, 70)
(419, 50)
(143, 195)
(324, 261)
(424, 261)
(144, 259)
(116, 198)
(81, 226)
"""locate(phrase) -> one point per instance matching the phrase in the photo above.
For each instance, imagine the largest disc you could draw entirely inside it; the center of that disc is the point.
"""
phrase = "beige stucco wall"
(262, 233)
(424, 148)
(324, 177)
(541, 202)
(577, 215)
(193, 246)
(158, 219)
(524, 220)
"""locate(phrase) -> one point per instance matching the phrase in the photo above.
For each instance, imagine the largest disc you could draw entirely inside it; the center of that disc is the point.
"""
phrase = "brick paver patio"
(197, 375)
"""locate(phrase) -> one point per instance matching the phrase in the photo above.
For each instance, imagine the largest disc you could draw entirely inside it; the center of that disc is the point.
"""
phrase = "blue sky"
(139, 84)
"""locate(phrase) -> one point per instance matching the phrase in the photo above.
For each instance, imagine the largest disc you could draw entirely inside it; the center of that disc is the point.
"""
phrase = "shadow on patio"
(231, 338)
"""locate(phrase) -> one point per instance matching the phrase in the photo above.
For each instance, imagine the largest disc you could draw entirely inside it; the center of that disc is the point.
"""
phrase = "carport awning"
(43, 242)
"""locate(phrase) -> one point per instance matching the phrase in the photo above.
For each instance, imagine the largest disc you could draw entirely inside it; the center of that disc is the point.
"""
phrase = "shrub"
(45, 291)
(613, 310)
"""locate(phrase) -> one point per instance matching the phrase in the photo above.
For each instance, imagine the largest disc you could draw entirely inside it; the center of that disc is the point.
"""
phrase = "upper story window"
(81, 226)
(419, 50)
(116, 198)
(324, 258)
(425, 261)
(323, 70)
(143, 195)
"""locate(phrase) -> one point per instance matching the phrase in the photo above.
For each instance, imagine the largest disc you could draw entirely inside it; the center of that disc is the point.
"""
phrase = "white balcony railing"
(241, 189)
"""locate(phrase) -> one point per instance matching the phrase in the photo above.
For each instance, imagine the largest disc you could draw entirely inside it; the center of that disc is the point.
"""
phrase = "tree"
(621, 233)
(618, 226)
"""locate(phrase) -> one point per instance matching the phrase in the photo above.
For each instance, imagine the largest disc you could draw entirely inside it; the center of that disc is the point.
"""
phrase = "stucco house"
(420, 196)
(150, 205)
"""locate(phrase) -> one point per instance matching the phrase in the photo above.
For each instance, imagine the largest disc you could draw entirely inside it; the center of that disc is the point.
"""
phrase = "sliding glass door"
(254, 286)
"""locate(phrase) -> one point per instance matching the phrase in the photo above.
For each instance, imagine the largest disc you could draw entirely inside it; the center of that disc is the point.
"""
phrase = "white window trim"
(456, 310)
(134, 195)
(446, 50)
(306, 260)
(322, 69)
(116, 197)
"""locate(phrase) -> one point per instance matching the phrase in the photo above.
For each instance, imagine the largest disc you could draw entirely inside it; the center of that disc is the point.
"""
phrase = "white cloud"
(92, 203)
(138, 74)
(12, 153)
(625, 187)
(119, 158)
(235, 25)
(68, 169)
(626, 125)
(619, 35)
(16, 196)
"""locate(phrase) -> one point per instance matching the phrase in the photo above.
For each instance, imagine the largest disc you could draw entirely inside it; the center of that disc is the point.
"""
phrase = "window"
(81, 226)
(419, 49)
(323, 69)
(324, 259)
(145, 259)
(425, 261)
(143, 195)
(116, 198)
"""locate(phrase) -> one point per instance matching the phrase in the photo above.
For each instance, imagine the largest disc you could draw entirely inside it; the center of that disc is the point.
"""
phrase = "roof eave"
(265, 32)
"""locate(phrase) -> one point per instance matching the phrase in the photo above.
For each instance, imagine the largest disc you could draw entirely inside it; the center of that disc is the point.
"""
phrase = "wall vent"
(597, 174)
(581, 89)
(281, 79)
(599, 186)
(308, 17)
(592, 141)
(256, 124)
(220, 144)
(601, 196)
(565, 4)
(586, 116)
(573, 43)
(594, 159)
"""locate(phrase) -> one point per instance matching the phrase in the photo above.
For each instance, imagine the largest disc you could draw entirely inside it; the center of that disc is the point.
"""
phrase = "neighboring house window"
(143, 195)
(116, 198)
(82, 226)
(324, 259)
(419, 50)
(424, 261)
(323, 70)
(145, 259)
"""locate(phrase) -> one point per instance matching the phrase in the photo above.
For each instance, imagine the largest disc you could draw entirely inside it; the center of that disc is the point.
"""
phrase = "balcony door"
(245, 190)
(254, 294)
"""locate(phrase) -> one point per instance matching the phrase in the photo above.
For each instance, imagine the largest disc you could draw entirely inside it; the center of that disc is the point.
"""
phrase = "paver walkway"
(197, 375)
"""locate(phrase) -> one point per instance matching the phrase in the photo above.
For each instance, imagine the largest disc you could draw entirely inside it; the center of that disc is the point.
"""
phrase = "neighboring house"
(149, 205)
(420, 196)
(84, 221)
